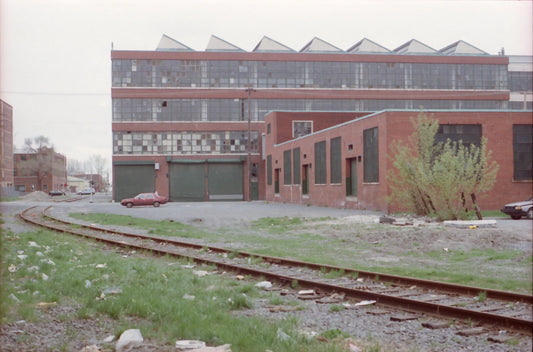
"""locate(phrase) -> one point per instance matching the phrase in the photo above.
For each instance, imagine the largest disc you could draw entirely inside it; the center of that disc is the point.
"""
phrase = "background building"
(190, 124)
(6, 148)
(45, 171)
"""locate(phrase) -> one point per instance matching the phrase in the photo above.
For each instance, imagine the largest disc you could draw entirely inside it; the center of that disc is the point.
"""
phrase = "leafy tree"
(438, 178)
(41, 161)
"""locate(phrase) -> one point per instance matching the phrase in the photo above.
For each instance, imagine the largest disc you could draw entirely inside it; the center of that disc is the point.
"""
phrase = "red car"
(144, 199)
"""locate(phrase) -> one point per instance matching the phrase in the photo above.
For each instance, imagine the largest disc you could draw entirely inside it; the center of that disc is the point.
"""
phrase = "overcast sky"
(55, 54)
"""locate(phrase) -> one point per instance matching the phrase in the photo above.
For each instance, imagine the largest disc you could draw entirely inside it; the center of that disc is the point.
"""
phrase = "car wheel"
(129, 205)
(515, 217)
(530, 213)
(156, 204)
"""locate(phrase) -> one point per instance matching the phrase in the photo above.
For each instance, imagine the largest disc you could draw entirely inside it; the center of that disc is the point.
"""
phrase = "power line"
(54, 93)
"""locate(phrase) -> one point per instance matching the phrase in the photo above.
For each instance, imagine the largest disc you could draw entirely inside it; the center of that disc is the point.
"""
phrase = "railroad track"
(480, 307)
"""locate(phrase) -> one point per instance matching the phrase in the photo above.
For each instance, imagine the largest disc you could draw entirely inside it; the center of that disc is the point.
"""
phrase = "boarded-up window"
(320, 163)
(335, 160)
(371, 155)
(269, 170)
(523, 152)
(301, 128)
(287, 166)
(296, 165)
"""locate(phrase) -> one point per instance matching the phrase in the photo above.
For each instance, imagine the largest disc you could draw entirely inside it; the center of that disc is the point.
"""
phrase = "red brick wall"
(394, 125)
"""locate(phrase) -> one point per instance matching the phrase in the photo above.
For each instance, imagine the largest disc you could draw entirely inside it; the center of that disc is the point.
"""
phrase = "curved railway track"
(490, 308)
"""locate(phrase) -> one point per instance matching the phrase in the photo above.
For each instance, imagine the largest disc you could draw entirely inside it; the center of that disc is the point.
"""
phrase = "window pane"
(371, 155)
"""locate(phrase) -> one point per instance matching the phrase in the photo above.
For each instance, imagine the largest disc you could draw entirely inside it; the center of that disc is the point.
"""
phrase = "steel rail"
(406, 304)
(394, 279)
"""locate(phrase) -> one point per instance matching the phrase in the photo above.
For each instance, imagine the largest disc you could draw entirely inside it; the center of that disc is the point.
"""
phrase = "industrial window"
(335, 160)
(468, 134)
(287, 166)
(371, 155)
(296, 165)
(301, 128)
(320, 163)
(269, 170)
(523, 152)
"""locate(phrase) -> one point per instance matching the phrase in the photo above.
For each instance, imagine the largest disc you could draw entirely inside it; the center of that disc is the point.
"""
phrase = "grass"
(291, 238)
(148, 292)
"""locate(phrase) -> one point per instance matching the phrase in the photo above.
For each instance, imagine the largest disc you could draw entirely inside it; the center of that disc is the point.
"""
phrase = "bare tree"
(97, 164)
(75, 167)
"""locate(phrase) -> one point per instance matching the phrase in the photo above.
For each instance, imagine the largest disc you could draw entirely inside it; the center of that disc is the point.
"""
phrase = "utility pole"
(249, 144)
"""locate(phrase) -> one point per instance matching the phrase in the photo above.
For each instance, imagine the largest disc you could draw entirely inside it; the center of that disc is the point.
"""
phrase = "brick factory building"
(44, 171)
(6, 147)
(190, 124)
(345, 161)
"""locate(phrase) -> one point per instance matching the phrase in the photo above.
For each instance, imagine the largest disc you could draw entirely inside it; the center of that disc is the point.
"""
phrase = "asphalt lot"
(221, 214)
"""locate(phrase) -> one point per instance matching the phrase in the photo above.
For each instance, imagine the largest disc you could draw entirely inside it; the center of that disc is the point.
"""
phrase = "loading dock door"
(201, 180)
(131, 180)
(187, 182)
(225, 181)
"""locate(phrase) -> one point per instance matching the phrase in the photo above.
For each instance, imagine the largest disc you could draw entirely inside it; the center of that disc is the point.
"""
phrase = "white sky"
(55, 66)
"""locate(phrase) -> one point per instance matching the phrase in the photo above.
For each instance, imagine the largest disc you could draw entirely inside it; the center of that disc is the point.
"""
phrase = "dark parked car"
(519, 209)
(144, 199)
(56, 193)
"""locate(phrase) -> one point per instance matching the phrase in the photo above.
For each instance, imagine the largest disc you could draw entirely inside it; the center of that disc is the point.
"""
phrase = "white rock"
(188, 297)
(264, 284)
(22, 256)
(33, 244)
(129, 339)
(39, 254)
(45, 277)
(88, 284)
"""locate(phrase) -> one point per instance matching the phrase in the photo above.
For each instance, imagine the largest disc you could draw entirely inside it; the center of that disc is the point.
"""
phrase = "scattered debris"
(239, 277)
(91, 348)
(101, 266)
(189, 297)
(403, 317)
(264, 284)
(128, 340)
(436, 325)
(281, 335)
(109, 339)
(471, 332)
(200, 273)
(183, 345)
(46, 305)
(12, 268)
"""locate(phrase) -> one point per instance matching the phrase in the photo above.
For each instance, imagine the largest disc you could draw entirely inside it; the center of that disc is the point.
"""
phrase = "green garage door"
(195, 180)
(187, 181)
(131, 180)
(225, 181)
